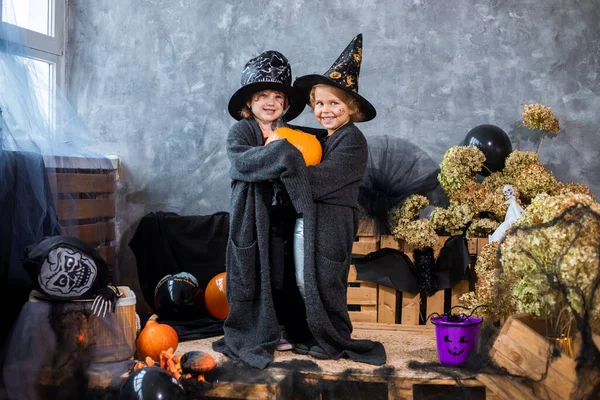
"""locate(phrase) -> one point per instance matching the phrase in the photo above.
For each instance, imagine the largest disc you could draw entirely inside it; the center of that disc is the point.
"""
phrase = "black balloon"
(493, 142)
(151, 383)
(179, 298)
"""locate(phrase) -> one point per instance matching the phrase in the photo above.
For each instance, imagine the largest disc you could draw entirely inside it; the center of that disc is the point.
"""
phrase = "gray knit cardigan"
(326, 195)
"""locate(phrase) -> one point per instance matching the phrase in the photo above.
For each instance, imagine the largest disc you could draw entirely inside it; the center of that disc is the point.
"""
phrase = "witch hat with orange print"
(342, 74)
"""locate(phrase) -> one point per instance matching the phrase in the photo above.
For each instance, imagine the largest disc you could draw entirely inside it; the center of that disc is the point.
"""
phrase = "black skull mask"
(67, 272)
(66, 268)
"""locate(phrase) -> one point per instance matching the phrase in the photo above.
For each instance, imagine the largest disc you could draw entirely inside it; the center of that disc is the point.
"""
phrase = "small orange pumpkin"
(155, 338)
(308, 144)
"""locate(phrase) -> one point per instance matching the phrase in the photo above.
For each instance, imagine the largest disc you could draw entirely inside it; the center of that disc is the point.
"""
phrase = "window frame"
(48, 48)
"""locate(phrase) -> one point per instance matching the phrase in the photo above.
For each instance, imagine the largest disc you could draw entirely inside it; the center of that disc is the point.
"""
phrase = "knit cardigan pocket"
(241, 271)
(333, 278)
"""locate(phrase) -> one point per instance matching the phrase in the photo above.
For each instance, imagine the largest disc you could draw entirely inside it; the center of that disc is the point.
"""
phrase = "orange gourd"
(308, 144)
(215, 296)
(155, 338)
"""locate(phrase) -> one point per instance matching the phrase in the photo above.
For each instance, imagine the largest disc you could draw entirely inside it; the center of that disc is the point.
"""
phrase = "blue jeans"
(299, 254)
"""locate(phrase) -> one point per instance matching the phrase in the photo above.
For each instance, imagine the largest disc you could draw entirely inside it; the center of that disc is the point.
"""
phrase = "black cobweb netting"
(396, 169)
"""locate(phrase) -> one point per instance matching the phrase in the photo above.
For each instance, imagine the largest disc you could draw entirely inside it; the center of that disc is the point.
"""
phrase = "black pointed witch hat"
(343, 73)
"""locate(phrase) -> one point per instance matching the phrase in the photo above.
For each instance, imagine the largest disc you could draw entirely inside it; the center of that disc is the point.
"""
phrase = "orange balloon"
(215, 297)
(308, 144)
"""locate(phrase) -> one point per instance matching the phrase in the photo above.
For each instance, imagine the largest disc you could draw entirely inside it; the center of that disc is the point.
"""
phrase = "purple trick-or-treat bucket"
(456, 339)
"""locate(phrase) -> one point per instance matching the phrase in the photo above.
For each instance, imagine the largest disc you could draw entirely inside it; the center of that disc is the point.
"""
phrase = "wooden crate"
(84, 191)
(522, 350)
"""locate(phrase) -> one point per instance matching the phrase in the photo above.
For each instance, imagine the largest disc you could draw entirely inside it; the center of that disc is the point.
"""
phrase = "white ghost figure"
(512, 214)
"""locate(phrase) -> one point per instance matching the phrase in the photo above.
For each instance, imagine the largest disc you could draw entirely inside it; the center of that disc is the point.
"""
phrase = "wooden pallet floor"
(293, 376)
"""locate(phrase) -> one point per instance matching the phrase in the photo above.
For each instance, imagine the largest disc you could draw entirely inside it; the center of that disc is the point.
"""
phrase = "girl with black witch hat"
(260, 293)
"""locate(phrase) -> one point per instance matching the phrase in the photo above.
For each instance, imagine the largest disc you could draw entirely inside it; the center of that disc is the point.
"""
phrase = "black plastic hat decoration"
(64, 268)
(268, 71)
(343, 74)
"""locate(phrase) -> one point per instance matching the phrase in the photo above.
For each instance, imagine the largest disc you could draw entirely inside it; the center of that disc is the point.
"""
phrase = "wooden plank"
(435, 303)
(81, 183)
(365, 245)
(506, 387)
(108, 253)
(411, 306)
(272, 388)
(366, 314)
(365, 294)
(472, 245)
(480, 243)
(386, 305)
(412, 329)
(69, 210)
(352, 274)
(79, 163)
(523, 351)
(366, 227)
(458, 290)
(93, 234)
(389, 241)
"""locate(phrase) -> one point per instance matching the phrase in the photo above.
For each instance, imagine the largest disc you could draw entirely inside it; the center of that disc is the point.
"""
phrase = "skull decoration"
(508, 191)
(67, 273)
(454, 349)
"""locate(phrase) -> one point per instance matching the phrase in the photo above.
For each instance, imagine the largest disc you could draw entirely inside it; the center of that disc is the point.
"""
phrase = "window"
(40, 25)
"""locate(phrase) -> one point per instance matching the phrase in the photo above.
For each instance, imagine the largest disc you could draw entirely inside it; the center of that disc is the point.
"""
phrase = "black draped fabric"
(167, 243)
(27, 214)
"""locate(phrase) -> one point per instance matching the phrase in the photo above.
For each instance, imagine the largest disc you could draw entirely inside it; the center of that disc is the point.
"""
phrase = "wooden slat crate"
(84, 191)
(522, 350)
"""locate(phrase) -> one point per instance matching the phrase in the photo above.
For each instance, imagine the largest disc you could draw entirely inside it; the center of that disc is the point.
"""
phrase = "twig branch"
(540, 145)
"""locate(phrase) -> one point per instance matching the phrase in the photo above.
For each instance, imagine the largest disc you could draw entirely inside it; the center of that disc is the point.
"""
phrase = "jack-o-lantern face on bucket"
(456, 345)
(456, 340)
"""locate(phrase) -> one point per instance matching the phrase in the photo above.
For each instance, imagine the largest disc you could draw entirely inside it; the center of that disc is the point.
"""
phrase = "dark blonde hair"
(246, 111)
(356, 113)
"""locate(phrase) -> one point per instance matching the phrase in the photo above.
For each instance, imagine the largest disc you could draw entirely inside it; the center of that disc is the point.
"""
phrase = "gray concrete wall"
(153, 78)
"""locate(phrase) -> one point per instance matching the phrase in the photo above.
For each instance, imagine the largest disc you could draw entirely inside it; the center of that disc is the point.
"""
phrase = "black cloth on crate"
(27, 214)
(166, 243)
(393, 268)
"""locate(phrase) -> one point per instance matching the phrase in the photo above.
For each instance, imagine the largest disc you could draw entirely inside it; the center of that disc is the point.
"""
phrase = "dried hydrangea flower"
(453, 220)
(417, 234)
(573, 187)
(544, 208)
(482, 227)
(537, 116)
(497, 180)
(410, 208)
(535, 179)
(459, 166)
(517, 161)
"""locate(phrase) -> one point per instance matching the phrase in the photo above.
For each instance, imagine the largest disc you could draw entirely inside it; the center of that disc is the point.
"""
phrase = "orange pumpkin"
(308, 144)
(154, 338)
(215, 296)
